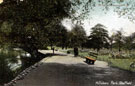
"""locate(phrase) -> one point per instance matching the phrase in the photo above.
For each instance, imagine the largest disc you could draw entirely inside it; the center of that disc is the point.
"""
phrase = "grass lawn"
(123, 64)
(119, 63)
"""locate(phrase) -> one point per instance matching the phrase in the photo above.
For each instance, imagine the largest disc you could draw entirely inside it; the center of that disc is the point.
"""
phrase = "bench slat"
(90, 58)
(93, 54)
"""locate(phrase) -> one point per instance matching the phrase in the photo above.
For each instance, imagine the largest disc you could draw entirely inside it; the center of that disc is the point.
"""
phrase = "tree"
(35, 16)
(30, 20)
(57, 36)
(77, 36)
(99, 37)
(7, 61)
(129, 42)
(5, 70)
(63, 37)
(82, 8)
(111, 41)
(118, 37)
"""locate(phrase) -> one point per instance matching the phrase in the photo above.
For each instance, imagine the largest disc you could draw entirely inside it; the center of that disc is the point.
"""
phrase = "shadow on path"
(56, 74)
(66, 70)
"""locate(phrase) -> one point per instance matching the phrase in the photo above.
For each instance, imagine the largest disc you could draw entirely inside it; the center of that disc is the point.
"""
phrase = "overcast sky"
(1, 1)
(111, 20)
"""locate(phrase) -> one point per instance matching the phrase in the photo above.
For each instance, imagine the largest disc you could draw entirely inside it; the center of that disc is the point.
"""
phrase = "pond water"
(11, 64)
(16, 65)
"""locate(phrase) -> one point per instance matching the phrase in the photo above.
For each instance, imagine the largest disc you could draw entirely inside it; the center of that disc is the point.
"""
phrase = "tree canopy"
(28, 21)
(99, 37)
(118, 38)
(77, 36)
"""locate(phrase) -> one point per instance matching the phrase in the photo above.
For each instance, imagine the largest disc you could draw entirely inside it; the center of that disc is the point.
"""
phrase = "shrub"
(7, 59)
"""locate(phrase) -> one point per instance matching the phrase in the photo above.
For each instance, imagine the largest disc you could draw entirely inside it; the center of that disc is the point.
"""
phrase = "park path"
(67, 70)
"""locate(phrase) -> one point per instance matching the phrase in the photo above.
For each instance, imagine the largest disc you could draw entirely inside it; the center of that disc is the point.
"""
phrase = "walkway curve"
(66, 70)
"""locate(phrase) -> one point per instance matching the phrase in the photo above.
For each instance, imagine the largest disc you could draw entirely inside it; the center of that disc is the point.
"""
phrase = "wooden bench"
(90, 60)
(93, 54)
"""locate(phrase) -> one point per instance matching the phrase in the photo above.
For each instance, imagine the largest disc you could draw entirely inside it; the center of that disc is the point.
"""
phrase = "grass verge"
(118, 63)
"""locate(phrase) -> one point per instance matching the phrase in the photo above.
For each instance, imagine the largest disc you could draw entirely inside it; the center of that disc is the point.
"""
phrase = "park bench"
(93, 54)
(90, 60)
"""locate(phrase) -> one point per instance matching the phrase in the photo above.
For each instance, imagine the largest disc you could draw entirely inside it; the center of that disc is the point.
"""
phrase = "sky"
(111, 20)
(1, 1)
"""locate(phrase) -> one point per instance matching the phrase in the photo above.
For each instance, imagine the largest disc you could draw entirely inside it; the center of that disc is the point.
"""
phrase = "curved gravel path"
(66, 70)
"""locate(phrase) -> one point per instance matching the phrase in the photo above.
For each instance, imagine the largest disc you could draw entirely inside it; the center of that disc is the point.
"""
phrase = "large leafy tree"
(82, 8)
(118, 38)
(31, 18)
(29, 21)
(57, 36)
(129, 42)
(7, 61)
(77, 36)
(99, 37)
(62, 38)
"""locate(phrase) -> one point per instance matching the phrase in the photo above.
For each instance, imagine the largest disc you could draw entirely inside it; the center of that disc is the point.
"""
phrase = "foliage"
(26, 23)
(28, 20)
(77, 36)
(58, 36)
(122, 63)
(99, 37)
(118, 38)
(7, 59)
(129, 42)
(82, 8)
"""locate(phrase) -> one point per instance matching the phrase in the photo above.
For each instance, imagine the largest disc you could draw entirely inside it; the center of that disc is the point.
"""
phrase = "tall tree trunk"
(66, 47)
(82, 46)
(51, 45)
(119, 48)
(111, 47)
(63, 45)
(53, 50)
(33, 52)
(35, 56)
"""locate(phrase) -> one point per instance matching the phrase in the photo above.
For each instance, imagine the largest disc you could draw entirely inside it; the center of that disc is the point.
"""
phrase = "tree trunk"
(53, 50)
(82, 46)
(62, 47)
(35, 57)
(98, 50)
(51, 45)
(111, 47)
(34, 52)
(66, 47)
(119, 48)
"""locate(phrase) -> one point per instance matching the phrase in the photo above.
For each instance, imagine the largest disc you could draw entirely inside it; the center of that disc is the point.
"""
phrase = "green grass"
(103, 58)
(122, 64)
(119, 63)
(83, 54)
